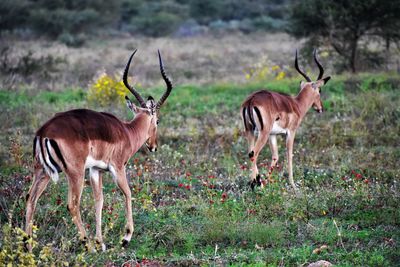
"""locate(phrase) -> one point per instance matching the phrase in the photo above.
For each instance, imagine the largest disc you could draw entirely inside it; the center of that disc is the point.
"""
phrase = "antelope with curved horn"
(271, 113)
(80, 139)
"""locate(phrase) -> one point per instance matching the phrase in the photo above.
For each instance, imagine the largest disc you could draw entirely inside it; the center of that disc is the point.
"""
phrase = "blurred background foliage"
(191, 200)
(151, 18)
(360, 32)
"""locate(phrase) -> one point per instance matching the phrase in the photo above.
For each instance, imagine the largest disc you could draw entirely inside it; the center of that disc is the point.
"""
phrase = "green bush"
(72, 40)
(159, 24)
(267, 23)
(58, 21)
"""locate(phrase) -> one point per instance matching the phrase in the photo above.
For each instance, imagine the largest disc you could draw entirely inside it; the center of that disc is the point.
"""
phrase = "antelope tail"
(252, 118)
(42, 150)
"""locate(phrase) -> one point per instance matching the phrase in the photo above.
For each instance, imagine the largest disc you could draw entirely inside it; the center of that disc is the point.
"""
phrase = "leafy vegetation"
(67, 19)
(192, 204)
(348, 27)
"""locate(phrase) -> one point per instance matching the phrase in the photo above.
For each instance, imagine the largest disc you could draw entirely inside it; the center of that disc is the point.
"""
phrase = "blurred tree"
(205, 11)
(13, 14)
(70, 20)
(344, 24)
(56, 17)
(153, 17)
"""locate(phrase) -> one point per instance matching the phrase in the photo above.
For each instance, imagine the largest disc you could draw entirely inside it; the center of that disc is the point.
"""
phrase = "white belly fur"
(91, 162)
(93, 165)
(276, 129)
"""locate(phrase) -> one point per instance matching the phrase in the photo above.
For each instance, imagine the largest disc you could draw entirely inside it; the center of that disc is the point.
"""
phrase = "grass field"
(192, 205)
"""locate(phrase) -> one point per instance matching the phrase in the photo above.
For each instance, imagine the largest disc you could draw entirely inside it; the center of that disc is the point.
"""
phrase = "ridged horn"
(167, 82)
(296, 65)
(130, 88)
(321, 69)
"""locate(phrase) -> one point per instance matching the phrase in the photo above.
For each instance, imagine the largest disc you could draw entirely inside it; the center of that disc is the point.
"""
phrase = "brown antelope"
(80, 139)
(271, 113)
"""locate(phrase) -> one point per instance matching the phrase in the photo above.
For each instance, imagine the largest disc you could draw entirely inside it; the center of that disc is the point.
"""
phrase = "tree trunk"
(387, 53)
(353, 55)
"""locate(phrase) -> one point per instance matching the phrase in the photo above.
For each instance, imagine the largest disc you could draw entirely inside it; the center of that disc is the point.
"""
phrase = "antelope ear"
(134, 108)
(131, 106)
(323, 81)
(326, 79)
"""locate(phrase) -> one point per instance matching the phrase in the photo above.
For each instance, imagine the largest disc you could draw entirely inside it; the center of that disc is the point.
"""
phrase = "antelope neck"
(138, 130)
(304, 100)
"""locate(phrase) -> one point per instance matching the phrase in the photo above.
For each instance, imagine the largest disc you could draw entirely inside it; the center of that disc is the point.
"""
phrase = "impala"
(270, 113)
(81, 139)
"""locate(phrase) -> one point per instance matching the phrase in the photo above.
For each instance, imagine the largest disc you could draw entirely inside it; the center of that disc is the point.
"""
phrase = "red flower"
(251, 211)
(180, 185)
(358, 176)
(188, 174)
(224, 195)
(187, 187)
(366, 181)
(211, 176)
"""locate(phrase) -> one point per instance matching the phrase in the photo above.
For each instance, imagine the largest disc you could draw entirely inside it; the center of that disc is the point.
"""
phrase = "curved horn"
(125, 79)
(167, 82)
(296, 65)
(321, 69)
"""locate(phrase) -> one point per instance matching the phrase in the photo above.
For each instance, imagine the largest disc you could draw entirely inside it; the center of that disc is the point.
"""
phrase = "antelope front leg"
(122, 182)
(96, 182)
(289, 155)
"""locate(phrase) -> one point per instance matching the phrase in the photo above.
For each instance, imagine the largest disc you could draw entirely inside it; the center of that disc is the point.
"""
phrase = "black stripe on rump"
(34, 147)
(41, 152)
(56, 148)
(244, 118)
(250, 113)
(51, 158)
(259, 117)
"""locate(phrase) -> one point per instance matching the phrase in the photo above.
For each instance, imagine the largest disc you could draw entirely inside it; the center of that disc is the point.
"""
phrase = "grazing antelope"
(81, 139)
(271, 113)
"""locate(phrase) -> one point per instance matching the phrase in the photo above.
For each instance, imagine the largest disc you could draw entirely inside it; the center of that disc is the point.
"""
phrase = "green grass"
(345, 162)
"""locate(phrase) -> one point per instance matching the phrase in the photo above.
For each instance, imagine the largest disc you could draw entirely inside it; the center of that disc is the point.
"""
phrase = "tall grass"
(192, 205)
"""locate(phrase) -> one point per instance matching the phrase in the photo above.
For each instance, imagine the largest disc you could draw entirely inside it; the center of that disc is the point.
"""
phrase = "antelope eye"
(158, 121)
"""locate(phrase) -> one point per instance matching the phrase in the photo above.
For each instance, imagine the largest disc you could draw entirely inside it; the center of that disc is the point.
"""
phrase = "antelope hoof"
(124, 243)
(251, 154)
(256, 182)
(101, 245)
(84, 243)
(258, 178)
(27, 246)
(252, 184)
